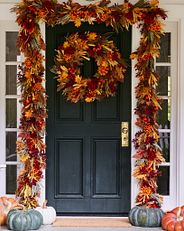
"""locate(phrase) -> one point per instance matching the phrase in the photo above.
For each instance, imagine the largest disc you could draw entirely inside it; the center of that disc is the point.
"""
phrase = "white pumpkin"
(48, 213)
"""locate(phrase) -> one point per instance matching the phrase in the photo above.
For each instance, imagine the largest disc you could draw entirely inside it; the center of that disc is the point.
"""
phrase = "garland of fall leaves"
(103, 83)
(148, 153)
(30, 146)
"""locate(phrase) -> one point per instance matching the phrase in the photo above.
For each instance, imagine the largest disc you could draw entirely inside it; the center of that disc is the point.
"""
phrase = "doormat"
(91, 222)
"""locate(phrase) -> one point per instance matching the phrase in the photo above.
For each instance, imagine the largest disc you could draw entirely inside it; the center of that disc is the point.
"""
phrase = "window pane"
(11, 138)
(164, 143)
(164, 86)
(11, 48)
(11, 113)
(163, 180)
(164, 115)
(11, 80)
(165, 48)
(11, 179)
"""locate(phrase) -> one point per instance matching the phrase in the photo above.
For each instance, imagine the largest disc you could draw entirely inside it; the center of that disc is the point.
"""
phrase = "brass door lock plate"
(124, 134)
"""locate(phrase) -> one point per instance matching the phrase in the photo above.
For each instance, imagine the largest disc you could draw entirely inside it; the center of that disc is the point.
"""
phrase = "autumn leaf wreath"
(70, 56)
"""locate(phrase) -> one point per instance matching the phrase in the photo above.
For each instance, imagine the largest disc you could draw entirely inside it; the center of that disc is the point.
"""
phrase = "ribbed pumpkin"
(48, 213)
(36, 218)
(145, 217)
(21, 220)
(174, 220)
(6, 204)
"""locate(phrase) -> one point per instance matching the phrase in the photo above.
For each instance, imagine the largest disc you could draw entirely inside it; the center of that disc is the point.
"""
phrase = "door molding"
(180, 117)
(134, 129)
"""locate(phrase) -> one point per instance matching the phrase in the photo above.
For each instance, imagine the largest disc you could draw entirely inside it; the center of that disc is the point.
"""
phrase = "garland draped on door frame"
(30, 145)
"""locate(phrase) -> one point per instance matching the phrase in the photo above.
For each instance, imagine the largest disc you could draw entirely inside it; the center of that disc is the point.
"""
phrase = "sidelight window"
(166, 66)
(11, 99)
(9, 164)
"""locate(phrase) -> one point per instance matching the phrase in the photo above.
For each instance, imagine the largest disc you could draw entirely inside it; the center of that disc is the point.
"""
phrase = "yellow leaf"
(133, 56)
(156, 103)
(64, 75)
(107, 48)
(78, 79)
(104, 63)
(64, 68)
(84, 57)
(98, 92)
(113, 62)
(27, 191)
(154, 3)
(28, 74)
(66, 44)
(152, 80)
(92, 36)
(24, 158)
(89, 99)
(77, 22)
(91, 45)
(28, 114)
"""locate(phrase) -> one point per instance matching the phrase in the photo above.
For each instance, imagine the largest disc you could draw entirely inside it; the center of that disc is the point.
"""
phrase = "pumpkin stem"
(20, 206)
(179, 215)
(44, 206)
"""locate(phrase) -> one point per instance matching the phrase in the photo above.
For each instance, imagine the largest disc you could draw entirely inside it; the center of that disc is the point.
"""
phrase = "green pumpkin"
(36, 218)
(145, 217)
(18, 220)
(22, 220)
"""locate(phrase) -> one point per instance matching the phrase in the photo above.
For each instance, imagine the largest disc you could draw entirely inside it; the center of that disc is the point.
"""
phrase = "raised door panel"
(106, 168)
(65, 111)
(107, 111)
(69, 168)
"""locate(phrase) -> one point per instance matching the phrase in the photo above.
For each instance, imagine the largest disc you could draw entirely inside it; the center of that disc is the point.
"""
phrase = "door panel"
(88, 172)
(105, 168)
(101, 111)
(69, 163)
(66, 111)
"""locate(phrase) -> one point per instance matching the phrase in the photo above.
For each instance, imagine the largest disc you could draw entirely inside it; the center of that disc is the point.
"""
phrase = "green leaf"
(142, 3)
(151, 36)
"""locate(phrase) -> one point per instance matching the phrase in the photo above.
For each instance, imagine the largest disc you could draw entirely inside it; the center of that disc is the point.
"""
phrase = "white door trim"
(180, 118)
(2, 108)
(175, 14)
(134, 129)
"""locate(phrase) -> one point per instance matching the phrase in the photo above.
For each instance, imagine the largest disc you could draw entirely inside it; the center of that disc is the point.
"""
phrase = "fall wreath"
(69, 58)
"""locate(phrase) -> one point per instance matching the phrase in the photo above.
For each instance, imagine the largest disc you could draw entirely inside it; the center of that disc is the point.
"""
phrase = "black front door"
(88, 172)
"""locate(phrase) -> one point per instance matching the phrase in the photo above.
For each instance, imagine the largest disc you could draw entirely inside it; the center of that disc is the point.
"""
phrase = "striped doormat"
(91, 222)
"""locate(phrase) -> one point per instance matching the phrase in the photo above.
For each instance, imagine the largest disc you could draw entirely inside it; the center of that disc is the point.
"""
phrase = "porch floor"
(51, 228)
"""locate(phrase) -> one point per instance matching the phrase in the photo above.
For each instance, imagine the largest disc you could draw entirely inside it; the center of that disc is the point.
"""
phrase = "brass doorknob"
(124, 134)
